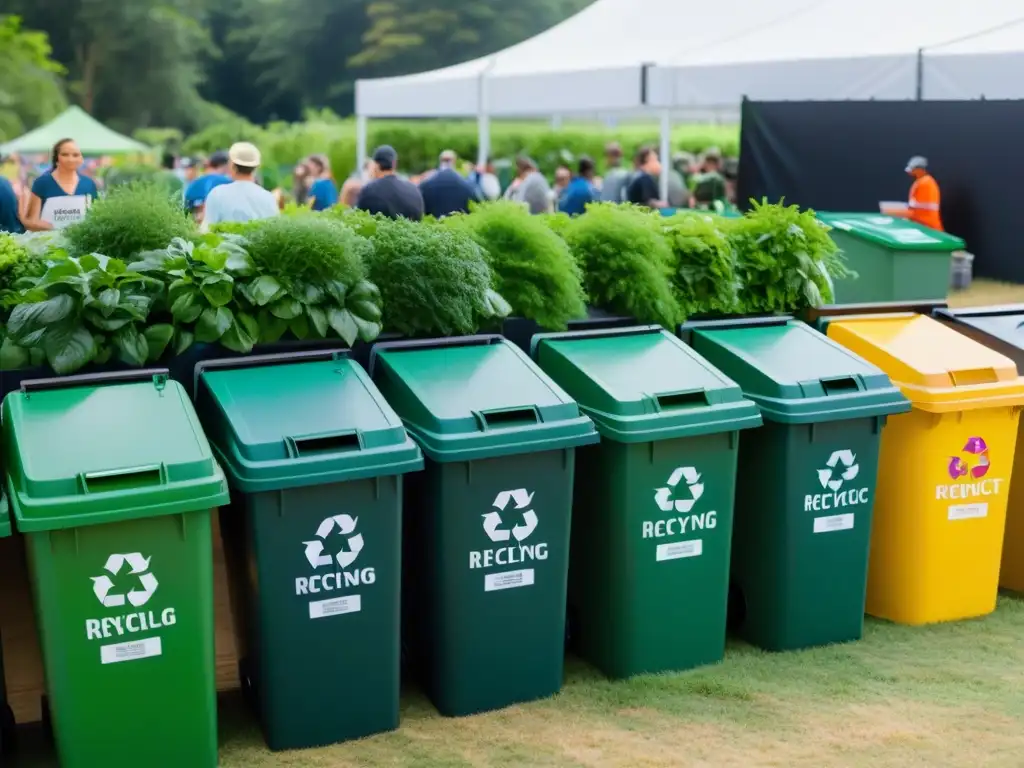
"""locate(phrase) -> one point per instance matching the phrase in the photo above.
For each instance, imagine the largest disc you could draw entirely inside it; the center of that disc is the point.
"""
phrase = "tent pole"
(483, 120)
(920, 73)
(360, 143)
(666, 152)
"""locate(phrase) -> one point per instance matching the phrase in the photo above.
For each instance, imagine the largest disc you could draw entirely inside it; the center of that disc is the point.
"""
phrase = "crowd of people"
(225, 187)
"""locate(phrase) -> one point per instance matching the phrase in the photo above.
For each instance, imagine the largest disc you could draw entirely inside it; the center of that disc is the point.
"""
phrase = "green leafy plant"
(704, 277)
(557, 222)
(129, 220)
(785, 258)
(312, 280)
(434, 281)
(626, 262)
(199, 281)
(532, 266)
(90, 309)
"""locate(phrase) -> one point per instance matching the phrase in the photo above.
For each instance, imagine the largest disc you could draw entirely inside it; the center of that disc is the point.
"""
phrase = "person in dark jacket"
(446, 192)
(388, 194)
(581, 191)
(9, 218)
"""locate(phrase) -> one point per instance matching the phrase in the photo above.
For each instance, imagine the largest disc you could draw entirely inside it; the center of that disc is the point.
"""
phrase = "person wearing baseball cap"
(243, 199)
(924, 194)
(387, 193)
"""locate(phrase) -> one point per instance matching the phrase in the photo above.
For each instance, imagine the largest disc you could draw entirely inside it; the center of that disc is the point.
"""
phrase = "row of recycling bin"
(446, 503)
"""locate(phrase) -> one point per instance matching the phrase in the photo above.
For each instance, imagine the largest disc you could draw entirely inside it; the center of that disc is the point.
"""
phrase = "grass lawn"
(948, 695)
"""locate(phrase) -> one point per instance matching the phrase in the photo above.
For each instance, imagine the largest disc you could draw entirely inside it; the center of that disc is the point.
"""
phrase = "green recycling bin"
(652, 529)
(312, 538)
(806, 485)
(112, 482)
(487, 522)
(895, 259)
(6, 715)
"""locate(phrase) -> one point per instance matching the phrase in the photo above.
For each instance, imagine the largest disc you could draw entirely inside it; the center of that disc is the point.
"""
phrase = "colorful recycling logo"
(959, 468)
(664, 497)
(346, 525)
(102, 586)
(841, 467)
(493, 521)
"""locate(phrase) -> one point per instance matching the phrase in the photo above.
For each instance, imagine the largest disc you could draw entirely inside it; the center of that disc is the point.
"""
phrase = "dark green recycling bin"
(652, 528)
(895, 259)
(806, 479)
(487, 522)
(6, 715)
(315, 459)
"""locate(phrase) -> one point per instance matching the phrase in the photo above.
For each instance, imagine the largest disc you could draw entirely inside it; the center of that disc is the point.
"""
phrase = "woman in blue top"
(60, 196)
(323, 194)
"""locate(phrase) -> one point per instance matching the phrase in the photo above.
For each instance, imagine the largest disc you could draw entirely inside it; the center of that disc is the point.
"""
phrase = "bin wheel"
(7, 732)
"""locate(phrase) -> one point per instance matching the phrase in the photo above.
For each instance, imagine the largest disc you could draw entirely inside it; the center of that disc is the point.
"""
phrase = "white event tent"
(664, 57)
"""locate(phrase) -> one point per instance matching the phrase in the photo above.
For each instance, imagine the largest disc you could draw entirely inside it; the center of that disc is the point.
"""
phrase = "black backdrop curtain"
(849, 155)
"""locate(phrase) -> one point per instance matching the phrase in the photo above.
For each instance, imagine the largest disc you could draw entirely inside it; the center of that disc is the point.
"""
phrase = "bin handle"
(504, 418)
(253, 361)
(156, 375)
(104, 477)
(691, 398)
(480, 340)
(841, 385)
(972, 376)
(331, 442)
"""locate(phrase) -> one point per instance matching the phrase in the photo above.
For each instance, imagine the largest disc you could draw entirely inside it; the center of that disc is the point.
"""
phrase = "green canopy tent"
(92, 137)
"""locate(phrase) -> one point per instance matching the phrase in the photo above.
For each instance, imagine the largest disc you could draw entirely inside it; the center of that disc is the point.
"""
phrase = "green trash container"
(653, 504)
(6, 715)
(312, 538)
(112, 482)
(895, 259)
(487, 522)
(806, 479)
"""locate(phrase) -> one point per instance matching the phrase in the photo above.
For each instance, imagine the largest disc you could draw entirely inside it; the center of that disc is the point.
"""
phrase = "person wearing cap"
(216, 174)
(924, 195)
(446, 192)
(242, 199)
(388, 194)
(616, 178)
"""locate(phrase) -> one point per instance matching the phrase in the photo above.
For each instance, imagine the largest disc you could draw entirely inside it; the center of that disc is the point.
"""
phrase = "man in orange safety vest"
(924, 195)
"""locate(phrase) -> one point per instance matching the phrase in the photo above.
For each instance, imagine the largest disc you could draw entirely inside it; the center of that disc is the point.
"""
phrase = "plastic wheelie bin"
(945, 478)
(312, 538)
(487, 522)
(806, 479)
(653, 502)
(6, 715)
(895, 259)
(999, 328)
(112, 482)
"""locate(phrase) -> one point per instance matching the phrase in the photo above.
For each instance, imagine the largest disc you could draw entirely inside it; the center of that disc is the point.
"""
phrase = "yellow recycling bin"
(944, 468)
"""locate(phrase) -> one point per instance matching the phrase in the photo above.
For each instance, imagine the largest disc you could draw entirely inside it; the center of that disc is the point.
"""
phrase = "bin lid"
(82, 454)
(939, 369)
(277, 423)
(1004, 322)
(476, 397)
(795, 374)
(892, 232)
(642, 384)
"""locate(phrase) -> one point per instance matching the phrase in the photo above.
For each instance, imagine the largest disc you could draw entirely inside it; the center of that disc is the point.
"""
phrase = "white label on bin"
(508, 580)
(139, 649)
(335, 606)
(679, 549)
(833, 523)
(968, 511)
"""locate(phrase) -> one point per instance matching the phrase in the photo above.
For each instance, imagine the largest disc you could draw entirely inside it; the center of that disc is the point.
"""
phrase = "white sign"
(343, 576)
(65, 210)
(679, 550)
(335, 606)
(835, 477)
(141, 590)
(496, 528)
(677, 499)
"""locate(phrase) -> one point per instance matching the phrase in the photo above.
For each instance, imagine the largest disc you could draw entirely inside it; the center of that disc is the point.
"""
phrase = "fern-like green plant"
(626, 262)
(533, 267)
(704, 275)
(433, 281)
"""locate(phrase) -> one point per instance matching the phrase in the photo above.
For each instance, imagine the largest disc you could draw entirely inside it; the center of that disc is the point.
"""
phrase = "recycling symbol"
(493, 521)
(663, 497)
(102, 585)
(843, 462)
(346, 526)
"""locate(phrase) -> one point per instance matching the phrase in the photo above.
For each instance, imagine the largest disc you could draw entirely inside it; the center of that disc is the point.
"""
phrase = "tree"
(30, 91)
